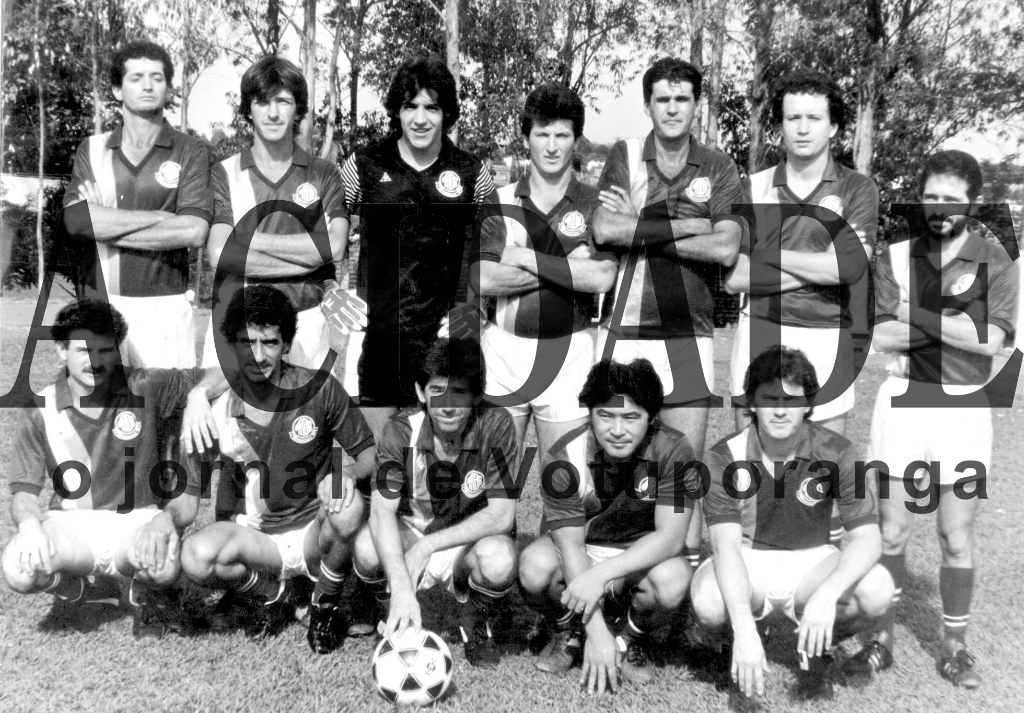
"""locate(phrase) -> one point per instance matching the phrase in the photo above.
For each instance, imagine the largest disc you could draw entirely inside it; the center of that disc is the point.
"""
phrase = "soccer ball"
(414, 669)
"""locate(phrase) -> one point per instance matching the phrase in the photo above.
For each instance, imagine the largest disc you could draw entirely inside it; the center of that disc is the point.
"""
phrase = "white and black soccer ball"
(414, 669)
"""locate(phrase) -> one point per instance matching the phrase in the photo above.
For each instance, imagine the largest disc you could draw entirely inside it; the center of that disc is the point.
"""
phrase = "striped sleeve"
(484, 184)
(350, 177)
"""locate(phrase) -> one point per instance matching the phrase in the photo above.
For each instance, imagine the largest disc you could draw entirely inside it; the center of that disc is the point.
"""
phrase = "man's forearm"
(650, 550)
(769, 281)
(855, 561)
(492, 520)
(957, 330)
(625, 230)
(388, 543)
(892, 336)
(25, 507)
(733, 582)
(583, 275)
(113, 223)
(177, 231)
(500, 280)
(182, 511)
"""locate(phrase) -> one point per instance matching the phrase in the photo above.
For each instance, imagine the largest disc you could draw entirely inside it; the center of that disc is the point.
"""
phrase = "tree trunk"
(566, 58)
(41, 98)
(761, 25)
(451, 35)
(305, 137)
(356, 56)
(868, 89)
(698, 13)
(714, 84)
(332, 95)
(273, 26)
(97, 89)
(186, 87)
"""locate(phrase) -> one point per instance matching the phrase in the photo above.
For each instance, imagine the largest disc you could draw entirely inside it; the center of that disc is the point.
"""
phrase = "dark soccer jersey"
(541, 312)
(122, 440)
(413, 232)
(406, 460)
(173, 177)
(313, 184)
(668, 297)
(842, 190)
(294, 451)
(621, 508)
(992, 303)
(793, 511)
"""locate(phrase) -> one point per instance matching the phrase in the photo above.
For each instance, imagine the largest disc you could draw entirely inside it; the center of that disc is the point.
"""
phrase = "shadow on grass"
(83, 619)
(918, 615)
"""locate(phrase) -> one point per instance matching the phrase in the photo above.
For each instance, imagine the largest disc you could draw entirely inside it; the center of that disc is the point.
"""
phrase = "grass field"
(97, 665)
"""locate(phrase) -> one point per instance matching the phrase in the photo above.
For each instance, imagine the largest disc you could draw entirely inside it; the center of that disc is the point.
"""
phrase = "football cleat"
(364, 611)
(815, 682)
(564, 651)
(478, 643)
(270, 619)
(152, 611)
(325, 633)
(959, 669)
(538, 635)
(873, 658)
(636, 665)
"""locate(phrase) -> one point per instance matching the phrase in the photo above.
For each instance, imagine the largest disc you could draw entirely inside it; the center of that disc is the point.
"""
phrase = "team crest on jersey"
(699, 189)
(303, 430)
(812, 491)
(306, 195)
(962, 284)
(385, 178)
(127, 426)
(573, 224)
(449, 184)
(168, 174)
(643, 489)
(832, 203)
(473, 484)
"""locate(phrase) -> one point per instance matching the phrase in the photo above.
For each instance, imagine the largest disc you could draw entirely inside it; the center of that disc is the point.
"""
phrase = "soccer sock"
(692, 558)
(956, 585)
(328, 584)
(897, 566)
(836, 530)
(630, 631)
(378, 586)
(262, 586)
(482, 600)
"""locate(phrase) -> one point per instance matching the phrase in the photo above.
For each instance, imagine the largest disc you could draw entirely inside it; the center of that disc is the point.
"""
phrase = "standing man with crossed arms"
(147, 189)
(667, 209)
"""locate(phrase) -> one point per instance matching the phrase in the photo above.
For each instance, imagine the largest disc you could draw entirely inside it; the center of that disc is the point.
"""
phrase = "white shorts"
(161, 331)
(104, 532)
(511, 359)
(950, 436)
(821, 347)
(291, 545)
(778, 573)
(689, 355)
(440, 567)
(309, 347)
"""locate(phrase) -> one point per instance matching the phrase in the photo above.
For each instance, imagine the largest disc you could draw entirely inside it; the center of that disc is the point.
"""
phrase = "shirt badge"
(306, 195)
(303, 430)
(812, 491)
(127, 426)
(962, 284)
(168, 174)
(385, 178)
(699, 190)
(449, 184)
(473, 484)
(832, 203)
(643, 489)
(573, 224)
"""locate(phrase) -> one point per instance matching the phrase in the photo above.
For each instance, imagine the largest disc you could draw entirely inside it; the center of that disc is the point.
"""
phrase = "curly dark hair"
(782, 363)
(139, 49)
(813, 83)
(955, 163)
(552, 102)
(266, 78)
(455, 359)
(92, 315)
(638, 380)
(416, 74)
(262, 306)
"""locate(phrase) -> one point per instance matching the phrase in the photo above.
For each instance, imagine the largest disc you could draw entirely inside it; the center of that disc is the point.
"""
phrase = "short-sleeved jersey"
(312, 184)
(992, 303)
(842, 190)
(174, 177)
(120, 448)
(294, 451)
(620, 509)
(668, 297)
(788, 507)
(542, 312)
(437, 494)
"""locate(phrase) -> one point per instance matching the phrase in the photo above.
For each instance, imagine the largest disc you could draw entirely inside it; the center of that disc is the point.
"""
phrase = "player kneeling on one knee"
(438, 512)
(617, 547)
(771, 538)
(104, 518)
(293, 514)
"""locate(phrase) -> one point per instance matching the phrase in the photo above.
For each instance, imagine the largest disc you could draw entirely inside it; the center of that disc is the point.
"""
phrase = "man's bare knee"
(538, 568)
(496, 559)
